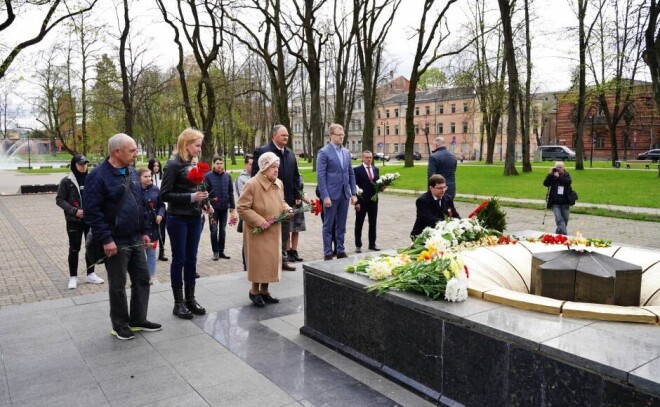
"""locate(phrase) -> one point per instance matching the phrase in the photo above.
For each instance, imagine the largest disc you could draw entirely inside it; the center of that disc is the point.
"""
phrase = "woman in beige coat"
(261, 201)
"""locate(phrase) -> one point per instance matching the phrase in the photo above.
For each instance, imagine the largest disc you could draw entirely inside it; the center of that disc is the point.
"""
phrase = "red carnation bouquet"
(314, 207)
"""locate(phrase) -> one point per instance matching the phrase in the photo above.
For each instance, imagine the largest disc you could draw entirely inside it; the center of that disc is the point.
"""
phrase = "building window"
(426, 128)
(387, 130)
(452, 127)
(416, 128)
(359, 104)
(416, 110)
(465, 127)
(396, 129)
(600, 141)
(427, 110)
(453, 107)
(359, 124)
(396, 112)
(378, 131)
(465, 106)
(440, 128)
(387, 113)
(440, 109)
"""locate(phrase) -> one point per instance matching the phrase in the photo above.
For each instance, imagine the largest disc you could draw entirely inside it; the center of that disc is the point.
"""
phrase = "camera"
(555, 170)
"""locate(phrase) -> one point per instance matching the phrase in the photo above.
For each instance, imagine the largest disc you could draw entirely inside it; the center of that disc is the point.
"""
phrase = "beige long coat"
(259, 201)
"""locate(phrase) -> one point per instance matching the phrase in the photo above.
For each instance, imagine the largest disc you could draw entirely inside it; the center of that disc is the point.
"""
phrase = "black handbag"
(572, 197)
(94, 251)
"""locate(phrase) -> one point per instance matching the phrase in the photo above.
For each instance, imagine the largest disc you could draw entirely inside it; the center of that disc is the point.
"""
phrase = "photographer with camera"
(558, 182)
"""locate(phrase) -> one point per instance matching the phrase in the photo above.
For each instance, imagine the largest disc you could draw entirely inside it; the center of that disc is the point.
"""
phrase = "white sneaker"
(73, 283)
(94, 279)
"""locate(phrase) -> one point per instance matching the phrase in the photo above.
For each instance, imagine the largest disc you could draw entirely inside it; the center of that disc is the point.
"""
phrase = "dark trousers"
(218, 229)
(130, 258)
(184, 234)
(367, 209)
(76, 231)
(162, 235)
(286, 226)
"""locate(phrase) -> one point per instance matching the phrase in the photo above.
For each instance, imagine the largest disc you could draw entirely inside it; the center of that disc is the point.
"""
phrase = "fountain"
(13, 152)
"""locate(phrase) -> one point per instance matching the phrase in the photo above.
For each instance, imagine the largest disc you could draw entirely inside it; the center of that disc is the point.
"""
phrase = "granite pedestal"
(478, 353)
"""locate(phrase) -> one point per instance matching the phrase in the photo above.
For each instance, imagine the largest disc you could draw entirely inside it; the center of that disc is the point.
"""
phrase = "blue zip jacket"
(153, 207)
(104, 188)
(220, 187)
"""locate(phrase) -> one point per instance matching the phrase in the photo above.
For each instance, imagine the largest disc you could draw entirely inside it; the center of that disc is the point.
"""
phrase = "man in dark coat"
(433, 206)
(444, 163)
(288, 174)
(221, 195)
(365, 177)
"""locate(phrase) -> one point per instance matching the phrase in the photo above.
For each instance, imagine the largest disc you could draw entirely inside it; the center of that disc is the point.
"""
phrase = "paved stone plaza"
(57, 348)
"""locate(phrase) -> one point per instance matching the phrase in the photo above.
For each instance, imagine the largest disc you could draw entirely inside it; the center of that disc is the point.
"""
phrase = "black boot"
(291, 255)
(161, 255)
(193, 305)
(180, 308)
(298, 258)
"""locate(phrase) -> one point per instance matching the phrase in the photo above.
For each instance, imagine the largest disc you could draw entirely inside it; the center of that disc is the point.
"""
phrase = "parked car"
(354, 157)
(653, 155)
(402, 156)
(381, 157)
(556, 153)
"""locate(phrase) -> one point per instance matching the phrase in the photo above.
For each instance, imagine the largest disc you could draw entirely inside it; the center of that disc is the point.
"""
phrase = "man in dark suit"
(433, 206)
(288, 174)
(365, 177)
(444, 163)
(336, 181)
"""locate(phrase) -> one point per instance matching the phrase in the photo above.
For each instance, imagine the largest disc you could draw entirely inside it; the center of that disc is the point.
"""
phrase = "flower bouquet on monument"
(314, 207)
(383, 182)
(441, 275)
(490, 215)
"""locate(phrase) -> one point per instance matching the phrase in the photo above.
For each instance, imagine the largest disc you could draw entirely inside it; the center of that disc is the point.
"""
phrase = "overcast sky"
(554, 49)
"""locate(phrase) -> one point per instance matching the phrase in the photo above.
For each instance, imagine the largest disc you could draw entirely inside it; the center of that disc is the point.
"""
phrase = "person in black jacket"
(365, 177)
(558, 182)
(433, 206)
(157, 178)
(444, 163)
(289, 176)
(115, 213)
(184, 224)
(221, 196)
(70, 195)
(154, 211)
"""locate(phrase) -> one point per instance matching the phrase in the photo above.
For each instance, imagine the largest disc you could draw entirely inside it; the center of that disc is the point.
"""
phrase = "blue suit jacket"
(333, 180)
(362, 181)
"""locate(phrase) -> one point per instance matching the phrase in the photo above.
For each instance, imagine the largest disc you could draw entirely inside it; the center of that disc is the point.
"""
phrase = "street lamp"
(29, 157)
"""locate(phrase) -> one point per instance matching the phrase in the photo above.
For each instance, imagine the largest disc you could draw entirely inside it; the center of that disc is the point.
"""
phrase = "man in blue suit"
(365, 177)
(336, 182)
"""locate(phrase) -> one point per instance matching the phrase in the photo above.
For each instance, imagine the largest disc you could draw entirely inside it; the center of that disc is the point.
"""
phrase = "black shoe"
(216, 256)
(162, 258)
(327, 257)
(257, 300)
(191, 302)
(145, 326)
(196, 275)
(224, 256)
(123, 333)
(182, 311)
(358, 250)
(268, 299)
(374, 248)
(288, 267)
(298, 258)
(341, 255)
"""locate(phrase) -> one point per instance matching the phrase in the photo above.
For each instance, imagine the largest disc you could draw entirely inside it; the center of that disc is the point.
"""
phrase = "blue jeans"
(218, 229)
(184, 234)
(561, 213)
(151, 260)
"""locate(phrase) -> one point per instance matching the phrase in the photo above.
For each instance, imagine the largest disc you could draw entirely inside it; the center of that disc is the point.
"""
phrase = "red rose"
(75, 204)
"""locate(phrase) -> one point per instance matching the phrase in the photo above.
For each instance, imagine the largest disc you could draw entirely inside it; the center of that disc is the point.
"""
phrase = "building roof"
(461, 92)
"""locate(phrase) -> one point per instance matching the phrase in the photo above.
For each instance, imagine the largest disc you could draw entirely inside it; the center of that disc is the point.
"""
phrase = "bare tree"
(202, 24)
(652, 51)
(506, 11)
(58, 11)
(525, 96)
(427, 37)
(375, 19)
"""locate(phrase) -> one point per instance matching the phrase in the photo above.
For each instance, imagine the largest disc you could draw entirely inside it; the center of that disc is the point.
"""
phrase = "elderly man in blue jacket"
(114, 210)
(444, 163)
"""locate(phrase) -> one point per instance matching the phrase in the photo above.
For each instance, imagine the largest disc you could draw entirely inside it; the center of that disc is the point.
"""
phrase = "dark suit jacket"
(429, 212)
(444, 163)
(288, 173)
(362, 181)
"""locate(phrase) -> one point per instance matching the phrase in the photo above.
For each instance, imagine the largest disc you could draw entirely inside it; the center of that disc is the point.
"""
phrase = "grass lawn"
(598, 185)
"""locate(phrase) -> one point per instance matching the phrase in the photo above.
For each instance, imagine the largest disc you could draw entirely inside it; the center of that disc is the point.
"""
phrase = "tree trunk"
(509, 54)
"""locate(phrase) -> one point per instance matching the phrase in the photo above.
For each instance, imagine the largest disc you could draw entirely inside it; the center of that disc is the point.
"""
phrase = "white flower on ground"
(456, 290)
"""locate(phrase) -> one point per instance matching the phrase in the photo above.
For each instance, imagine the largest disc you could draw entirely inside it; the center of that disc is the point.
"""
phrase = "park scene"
(330, 203)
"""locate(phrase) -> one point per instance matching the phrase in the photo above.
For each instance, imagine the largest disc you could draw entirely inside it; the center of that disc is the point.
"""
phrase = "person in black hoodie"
(559, 183)
(70, 194)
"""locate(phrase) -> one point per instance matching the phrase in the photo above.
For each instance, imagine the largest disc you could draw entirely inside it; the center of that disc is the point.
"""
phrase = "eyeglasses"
(440, 188)
(338, 134)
